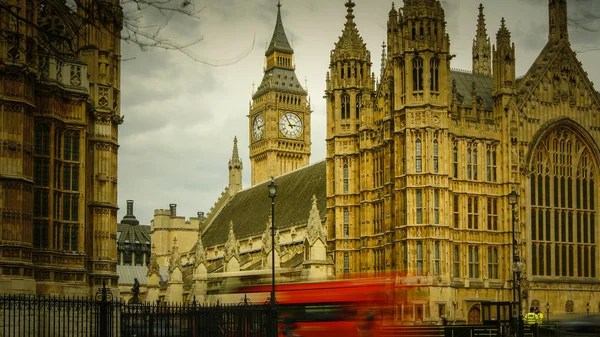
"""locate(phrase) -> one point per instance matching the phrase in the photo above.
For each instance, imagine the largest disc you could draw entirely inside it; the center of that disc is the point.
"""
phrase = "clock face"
(290, 125)
(258, 127)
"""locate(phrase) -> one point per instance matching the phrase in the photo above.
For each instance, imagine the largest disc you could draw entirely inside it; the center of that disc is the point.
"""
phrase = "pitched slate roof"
(281, 80)
(464, 85)
(279, 41)
(249, 209)
(133, 233)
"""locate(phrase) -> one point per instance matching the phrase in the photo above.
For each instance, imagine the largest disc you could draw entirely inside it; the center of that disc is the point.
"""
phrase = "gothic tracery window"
(418, 155)
(345, 106)
(419, 204)
(417, 74)
(346, 223)
(455, 161)
(345, 178)
(435, 156)
(434, 75)
(563, 209)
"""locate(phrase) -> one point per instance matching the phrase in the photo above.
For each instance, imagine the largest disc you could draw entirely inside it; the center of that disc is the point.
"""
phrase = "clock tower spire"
(279, 119)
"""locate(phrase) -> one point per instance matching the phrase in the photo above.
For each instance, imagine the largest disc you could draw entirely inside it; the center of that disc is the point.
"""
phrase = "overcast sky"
(181, 115)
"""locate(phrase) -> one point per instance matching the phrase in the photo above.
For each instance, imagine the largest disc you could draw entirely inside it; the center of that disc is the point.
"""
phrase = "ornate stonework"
(58, 180)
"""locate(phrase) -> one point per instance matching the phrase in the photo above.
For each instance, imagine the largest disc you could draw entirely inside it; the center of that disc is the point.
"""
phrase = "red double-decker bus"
(348, 308)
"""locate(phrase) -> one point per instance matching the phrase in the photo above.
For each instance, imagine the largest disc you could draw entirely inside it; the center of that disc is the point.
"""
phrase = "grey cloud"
(181, 116)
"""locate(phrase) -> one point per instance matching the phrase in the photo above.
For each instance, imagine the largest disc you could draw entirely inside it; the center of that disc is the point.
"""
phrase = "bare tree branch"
(75, 15)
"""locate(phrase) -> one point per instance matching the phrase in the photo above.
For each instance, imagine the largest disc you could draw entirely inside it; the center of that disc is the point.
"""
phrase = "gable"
(557, 77)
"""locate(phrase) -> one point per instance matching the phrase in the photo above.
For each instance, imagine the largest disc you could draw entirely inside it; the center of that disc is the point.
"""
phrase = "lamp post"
(518, 268)
(272, 194)
(547, 311)
(512, 200)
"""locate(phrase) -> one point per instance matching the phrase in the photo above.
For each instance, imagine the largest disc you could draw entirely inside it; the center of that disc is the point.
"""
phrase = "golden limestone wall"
(420, 188)
(51, 241)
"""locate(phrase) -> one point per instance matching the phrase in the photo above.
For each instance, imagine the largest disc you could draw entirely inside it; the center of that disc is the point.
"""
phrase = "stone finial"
(200, 253)
(175, 259)
(153, 268)
(315, 229)
(231, 246)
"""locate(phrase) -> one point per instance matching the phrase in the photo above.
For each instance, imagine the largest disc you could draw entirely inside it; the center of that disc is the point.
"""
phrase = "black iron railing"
(32, 316)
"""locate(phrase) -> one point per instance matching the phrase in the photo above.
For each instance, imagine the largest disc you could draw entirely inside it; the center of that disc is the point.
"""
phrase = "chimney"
(130, 207)
(173, 208)
(129, 218)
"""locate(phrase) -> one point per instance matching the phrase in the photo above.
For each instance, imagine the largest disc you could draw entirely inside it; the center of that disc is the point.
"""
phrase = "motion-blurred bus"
(348, 308)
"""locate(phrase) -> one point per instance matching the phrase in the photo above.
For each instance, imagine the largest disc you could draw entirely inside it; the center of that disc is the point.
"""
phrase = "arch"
(561, 122)
(474, 316)
(345, 106)
(434, 83)
(563, 163)
(417, 64)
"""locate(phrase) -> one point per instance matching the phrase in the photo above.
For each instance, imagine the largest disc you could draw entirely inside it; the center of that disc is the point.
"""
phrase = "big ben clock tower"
(279, 120)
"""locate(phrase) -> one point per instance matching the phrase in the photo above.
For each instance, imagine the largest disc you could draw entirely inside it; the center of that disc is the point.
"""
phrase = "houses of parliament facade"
(60, 102)
(420, 165)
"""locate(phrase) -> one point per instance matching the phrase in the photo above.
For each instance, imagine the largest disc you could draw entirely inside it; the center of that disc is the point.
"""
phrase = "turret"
(557, 12)
(504, 63)
(394, 18)
(235, 170)
(481, 47)
(421, 52)
(350, 68)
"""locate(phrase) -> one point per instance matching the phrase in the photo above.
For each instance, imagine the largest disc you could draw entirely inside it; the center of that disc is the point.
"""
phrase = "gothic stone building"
(59, 96)
(420, 166)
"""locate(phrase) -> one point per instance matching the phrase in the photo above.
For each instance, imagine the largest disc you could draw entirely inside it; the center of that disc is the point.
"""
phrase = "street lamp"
(272, 194)
(513, 197)
(547, 311)
(518, 269)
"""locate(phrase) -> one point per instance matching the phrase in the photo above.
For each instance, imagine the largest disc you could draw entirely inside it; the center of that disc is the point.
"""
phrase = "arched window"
(435, 156)
(345, 177)
(417, 74)
(475, 162)
(563, 207)
(419, 258)
(346, 223)
(345, 106)
(419, 206)
(346, 264)
(434, 74)
(436, 259)
(418, 156)
(455, 161)
(436, 206)
(358, 103)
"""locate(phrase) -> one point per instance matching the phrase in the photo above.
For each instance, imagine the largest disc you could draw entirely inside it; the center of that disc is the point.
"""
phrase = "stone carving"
(75, 75)
(103, 97)
(569, 306)
(153, 266)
